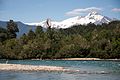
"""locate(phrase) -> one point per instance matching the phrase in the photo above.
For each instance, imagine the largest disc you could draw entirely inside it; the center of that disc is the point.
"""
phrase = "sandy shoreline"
(79, 59)
(19, 67)
(72, 59)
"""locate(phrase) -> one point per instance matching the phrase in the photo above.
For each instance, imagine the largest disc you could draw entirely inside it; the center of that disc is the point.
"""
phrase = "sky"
(29, 11)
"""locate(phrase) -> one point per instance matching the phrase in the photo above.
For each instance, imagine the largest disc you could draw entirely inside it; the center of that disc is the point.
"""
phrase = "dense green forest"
(80, 41)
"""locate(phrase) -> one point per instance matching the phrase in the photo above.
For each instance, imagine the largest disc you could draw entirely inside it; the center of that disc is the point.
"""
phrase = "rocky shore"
(19, 67)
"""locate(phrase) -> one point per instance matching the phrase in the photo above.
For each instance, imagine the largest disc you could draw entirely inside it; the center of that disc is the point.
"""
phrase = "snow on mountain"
(92, 17)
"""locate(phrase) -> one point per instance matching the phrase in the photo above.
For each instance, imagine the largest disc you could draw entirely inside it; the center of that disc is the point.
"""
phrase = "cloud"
(116, 9)
(82, 10)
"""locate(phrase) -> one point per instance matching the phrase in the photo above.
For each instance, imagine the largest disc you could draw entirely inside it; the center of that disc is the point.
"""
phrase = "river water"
(89, 70)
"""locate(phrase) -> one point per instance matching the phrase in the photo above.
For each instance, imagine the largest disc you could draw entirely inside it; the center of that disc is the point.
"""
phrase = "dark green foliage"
(39, 32)
(10, 32)
(3, 34)
(11, 49)
(31, 35)
(12, 28)
(23, 39)
(98, 41)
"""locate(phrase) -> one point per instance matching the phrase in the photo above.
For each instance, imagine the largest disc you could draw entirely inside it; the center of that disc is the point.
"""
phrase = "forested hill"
(80, 41)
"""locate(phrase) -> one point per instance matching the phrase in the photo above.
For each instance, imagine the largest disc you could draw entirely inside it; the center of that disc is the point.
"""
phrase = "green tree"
(23, 39)
(12, 48)
(39, 32)
(3, 34)
(31, 35)
(12, 28)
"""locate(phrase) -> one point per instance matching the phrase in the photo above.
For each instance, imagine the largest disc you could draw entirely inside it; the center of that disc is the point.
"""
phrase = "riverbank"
(71, 59)
(75, 70)
(79, 59)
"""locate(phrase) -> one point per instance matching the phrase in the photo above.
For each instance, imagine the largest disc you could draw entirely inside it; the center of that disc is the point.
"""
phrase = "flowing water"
(89, 70)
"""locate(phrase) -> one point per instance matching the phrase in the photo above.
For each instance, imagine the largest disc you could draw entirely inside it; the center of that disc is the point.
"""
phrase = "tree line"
(79, 41)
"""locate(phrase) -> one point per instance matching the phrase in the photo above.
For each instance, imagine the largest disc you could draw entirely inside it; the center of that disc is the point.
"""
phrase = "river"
(89, 70)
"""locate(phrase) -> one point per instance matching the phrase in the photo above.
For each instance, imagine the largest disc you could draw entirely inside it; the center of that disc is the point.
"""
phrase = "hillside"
(79, 41)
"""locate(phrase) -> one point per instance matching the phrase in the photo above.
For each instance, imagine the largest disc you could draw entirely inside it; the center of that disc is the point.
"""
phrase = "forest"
(79, 41)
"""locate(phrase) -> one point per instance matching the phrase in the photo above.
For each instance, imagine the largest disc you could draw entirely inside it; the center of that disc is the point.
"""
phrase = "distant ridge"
(92, 17)
(23, 28)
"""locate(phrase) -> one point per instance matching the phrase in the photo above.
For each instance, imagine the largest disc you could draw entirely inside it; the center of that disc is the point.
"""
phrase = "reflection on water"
(89, 70)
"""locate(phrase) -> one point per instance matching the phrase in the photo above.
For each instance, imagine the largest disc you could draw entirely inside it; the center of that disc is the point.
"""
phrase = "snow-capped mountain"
(92, 17)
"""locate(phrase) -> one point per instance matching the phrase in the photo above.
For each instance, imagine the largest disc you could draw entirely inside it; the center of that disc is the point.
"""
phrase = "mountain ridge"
(23, 28)
(92, 17)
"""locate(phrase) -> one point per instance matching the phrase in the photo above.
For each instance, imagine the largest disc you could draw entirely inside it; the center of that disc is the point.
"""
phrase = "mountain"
(92, 17)
(23, 28)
